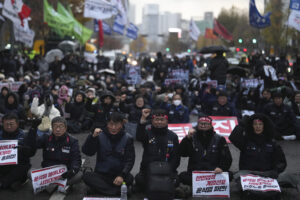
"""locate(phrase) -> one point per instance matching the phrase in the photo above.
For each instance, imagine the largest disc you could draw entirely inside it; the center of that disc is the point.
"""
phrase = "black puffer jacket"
(259, 152)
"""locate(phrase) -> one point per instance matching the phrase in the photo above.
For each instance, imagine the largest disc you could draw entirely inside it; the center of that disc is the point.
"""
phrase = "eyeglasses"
(60, 126)
(204, 124)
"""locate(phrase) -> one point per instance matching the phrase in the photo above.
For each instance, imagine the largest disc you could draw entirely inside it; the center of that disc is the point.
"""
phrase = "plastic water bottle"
(123, 191)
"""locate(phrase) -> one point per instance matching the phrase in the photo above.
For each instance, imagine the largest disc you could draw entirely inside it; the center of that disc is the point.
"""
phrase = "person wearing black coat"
(262, 102)
(102, 110)
(115, 157)
(207, 151)
(13, 176)
(259, 153)
(60, 148)
(222, 107)
(159, 143)
(77, 112)
(283, 117)
(218, 67)
(11, 105)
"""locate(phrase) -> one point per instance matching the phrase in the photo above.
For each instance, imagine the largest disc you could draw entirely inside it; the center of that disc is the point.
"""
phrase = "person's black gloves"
(36, 123)
(69, 174)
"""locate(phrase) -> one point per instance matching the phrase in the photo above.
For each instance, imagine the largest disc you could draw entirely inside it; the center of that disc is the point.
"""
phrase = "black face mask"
(163, 130)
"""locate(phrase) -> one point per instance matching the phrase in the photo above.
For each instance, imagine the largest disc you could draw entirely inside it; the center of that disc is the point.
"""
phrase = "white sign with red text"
(8, 152)
(181, 130)
(209, 184)
(257, 183)
(41, 178)
(222, 126)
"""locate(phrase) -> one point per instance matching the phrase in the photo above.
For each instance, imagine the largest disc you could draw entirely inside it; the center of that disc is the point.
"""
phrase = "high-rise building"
(169, 20)
(131, 13)
(150, 22)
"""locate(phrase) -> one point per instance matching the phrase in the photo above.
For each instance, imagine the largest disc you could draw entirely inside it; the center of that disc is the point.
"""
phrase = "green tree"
(274, 35)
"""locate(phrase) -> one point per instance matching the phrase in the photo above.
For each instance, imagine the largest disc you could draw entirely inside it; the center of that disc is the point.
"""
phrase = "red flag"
(221, 31)
(101, 39)
(25, 12)
(209, 34)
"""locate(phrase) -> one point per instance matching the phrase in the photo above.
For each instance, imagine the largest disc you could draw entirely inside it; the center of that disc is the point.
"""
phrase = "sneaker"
(65, 190)
(289, 137)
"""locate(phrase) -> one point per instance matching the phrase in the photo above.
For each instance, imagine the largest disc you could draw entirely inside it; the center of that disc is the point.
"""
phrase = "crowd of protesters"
(74, 94)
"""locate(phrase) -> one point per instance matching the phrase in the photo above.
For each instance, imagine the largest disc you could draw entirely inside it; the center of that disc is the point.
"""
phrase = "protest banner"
(41, 178)
(8, 152)
(14, 87)
(133, 74)
(211, 83)
(251, 83)
(209, 184)
(99, 9)
(177, 76)
(181, 130)
(224, 125)
(3, 84)
(24, 35)
(257, 183)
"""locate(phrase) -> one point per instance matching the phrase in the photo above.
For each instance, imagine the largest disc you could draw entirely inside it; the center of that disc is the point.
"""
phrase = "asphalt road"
(291, 149)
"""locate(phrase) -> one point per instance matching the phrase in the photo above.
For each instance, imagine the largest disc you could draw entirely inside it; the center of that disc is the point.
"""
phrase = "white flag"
(122, 12)
(194, 30)
(24, 34)
(294, 19)
(99, 9)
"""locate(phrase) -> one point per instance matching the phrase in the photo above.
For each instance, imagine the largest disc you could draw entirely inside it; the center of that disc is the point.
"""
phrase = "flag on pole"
(295, 4)
(101, 38)
(16, 11)
(122, 12)
(194, 30)
(118, 26)
(256, 20)
(81, 33)
(105, 26)
(221, 31)
(132, 31)
(294, 19)
(209, 34)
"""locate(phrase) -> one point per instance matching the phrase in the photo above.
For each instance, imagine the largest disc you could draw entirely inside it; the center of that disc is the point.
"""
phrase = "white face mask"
(177, 102)
(170, 95)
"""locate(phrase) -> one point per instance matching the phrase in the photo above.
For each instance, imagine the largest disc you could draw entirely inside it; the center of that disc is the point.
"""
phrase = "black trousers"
(10, 174)
(186, 178)
(103, 183)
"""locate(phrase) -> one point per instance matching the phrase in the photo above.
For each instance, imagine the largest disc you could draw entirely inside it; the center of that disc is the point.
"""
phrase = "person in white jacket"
(46, 112)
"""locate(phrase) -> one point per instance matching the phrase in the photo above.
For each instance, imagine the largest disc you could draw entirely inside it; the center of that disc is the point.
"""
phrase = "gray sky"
(193, 8)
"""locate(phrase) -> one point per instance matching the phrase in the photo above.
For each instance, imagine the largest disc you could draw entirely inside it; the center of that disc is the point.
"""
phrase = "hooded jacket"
(258, 152)
(13, 108)
(40, 110)
(76, 109)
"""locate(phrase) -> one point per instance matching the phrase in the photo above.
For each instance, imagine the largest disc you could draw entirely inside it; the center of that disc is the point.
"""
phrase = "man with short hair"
(283, 117)
(115, 157)
(13, 176)
(160, 145)
(60, 148)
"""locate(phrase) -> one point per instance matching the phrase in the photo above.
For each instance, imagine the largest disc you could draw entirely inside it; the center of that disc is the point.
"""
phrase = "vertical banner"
(8, 152)
(208, 184)
(41, 178)
(101, 39)
(224, 125)
(181, 130)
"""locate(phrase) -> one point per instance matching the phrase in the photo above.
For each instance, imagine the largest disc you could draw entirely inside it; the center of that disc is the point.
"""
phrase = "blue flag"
(295, 4)
(132, 31)
(105, 26)
(256, 20)
(118, 27)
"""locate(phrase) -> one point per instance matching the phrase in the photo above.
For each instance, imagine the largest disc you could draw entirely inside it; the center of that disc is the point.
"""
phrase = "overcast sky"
(193, 8)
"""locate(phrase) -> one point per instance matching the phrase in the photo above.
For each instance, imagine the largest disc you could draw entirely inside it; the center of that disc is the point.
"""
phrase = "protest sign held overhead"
(99, 9)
